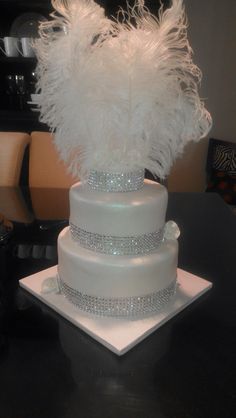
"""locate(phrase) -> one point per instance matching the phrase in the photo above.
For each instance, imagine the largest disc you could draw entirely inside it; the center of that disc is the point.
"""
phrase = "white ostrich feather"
(119, 96)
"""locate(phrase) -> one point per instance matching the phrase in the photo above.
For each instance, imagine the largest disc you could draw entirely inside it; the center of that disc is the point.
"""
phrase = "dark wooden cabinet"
(17, 74)
(16, 113)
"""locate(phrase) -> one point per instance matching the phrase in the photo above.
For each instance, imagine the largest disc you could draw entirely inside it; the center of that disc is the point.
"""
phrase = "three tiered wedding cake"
(122, 97)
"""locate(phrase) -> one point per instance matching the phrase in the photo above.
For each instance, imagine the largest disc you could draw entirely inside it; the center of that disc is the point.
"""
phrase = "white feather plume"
(119, 96)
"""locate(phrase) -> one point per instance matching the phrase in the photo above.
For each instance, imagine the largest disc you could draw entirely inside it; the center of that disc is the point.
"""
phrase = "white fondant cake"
(114, 259)
(115, 112)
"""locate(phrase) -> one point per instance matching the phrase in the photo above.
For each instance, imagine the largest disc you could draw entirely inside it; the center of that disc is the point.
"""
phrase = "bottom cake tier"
(116, 285)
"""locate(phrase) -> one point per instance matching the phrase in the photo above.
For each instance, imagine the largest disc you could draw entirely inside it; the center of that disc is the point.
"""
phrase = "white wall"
(212, 35)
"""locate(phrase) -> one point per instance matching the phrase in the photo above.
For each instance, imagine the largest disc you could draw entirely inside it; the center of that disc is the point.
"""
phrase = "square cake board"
(118, 335)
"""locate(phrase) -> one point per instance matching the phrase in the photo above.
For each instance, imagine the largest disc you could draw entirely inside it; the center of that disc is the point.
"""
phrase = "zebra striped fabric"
(224, 158)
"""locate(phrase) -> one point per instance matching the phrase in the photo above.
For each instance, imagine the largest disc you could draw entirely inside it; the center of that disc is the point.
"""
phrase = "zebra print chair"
(221, 169)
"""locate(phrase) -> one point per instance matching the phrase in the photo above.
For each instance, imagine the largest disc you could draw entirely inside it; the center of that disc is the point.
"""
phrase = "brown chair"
(47, 177)
(13, 205)
(45, 168)
(12, 149)
(50, 204)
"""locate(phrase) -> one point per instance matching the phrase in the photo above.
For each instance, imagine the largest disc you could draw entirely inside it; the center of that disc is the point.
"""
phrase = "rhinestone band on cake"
(119, 307)
(116, 182)
(135, 245)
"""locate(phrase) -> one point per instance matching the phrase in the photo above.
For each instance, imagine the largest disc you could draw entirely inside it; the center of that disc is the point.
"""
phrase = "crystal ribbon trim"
(132, 245)
(116, 182)
(119, 307)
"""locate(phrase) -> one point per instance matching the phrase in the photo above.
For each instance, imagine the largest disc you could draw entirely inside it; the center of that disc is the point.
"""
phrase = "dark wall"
(112, 6)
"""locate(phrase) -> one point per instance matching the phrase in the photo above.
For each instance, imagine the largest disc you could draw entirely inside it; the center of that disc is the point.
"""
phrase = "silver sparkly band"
(116, 182)
(106, 244)
(119, 307)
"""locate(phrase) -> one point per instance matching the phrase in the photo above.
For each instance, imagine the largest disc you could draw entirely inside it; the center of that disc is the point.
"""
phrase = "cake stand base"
(118, 335)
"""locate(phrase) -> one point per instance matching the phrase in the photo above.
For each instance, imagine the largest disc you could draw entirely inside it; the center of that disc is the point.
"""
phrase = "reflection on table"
(37, 216)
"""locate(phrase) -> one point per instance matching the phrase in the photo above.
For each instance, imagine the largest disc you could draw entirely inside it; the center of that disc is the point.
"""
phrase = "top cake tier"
(119, 214)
